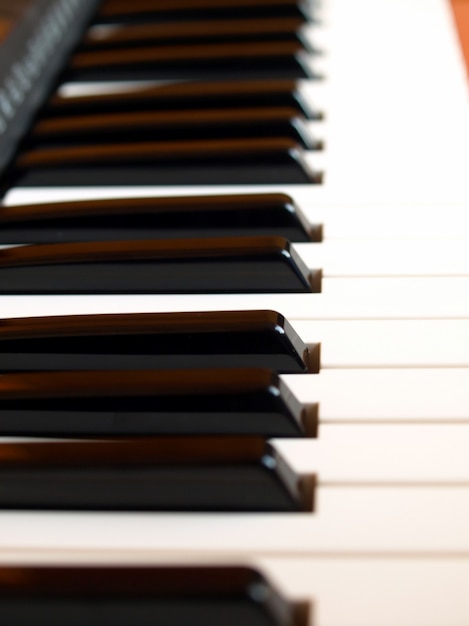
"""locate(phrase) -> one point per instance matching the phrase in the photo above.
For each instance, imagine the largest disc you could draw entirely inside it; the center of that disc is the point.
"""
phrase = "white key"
(394, 220)
(383, 343)
(432, 257)
(383, 454)
(350, 519)
(371, 592)
(373, 395)
(341, 298)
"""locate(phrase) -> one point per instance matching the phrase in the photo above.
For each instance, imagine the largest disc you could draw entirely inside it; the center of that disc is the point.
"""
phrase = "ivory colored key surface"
(388, 343)
(385, 394)
(427, 454)
(412, 257)
(402, 590)
(387, 219)
(347, 298)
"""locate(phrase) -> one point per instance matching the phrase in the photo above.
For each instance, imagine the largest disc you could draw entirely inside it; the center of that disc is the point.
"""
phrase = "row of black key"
(71, 403)
(258, 136)
(108, 376)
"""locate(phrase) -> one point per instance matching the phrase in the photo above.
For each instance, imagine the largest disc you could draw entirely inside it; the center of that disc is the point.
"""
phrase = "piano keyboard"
(374, 429)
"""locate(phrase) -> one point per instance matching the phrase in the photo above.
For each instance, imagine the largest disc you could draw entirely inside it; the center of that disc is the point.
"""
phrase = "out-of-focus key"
(204, 595)
(152, 474)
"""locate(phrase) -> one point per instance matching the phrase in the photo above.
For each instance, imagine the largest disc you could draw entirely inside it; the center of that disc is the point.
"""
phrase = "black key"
(153, 341)
(189, 125)
(165, 474)
(195, 32)
(237, 265)
(230, 161)
(271, 59)
(122, 11)
(184, 402)
(184, 95)
(144, 596)
(158, 218)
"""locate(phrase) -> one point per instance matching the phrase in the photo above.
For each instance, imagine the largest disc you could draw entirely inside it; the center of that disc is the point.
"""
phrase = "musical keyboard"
(387, 542)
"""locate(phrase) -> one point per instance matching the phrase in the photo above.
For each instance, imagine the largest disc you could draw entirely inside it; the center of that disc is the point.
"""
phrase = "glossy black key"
(151, 341)
(237, 265)
(158, 218)
(184, 402)
(270, 160)
(271, 59)
(161, 474)
(122, 11)
(194, 32)
(184, 95)
(144, 596)
(189, 125)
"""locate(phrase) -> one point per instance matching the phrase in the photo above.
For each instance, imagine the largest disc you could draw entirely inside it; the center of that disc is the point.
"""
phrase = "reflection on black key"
(237, 265)
(184, 402)
(152, 341)
(158, 218)
(161, 474)
(144, 596)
